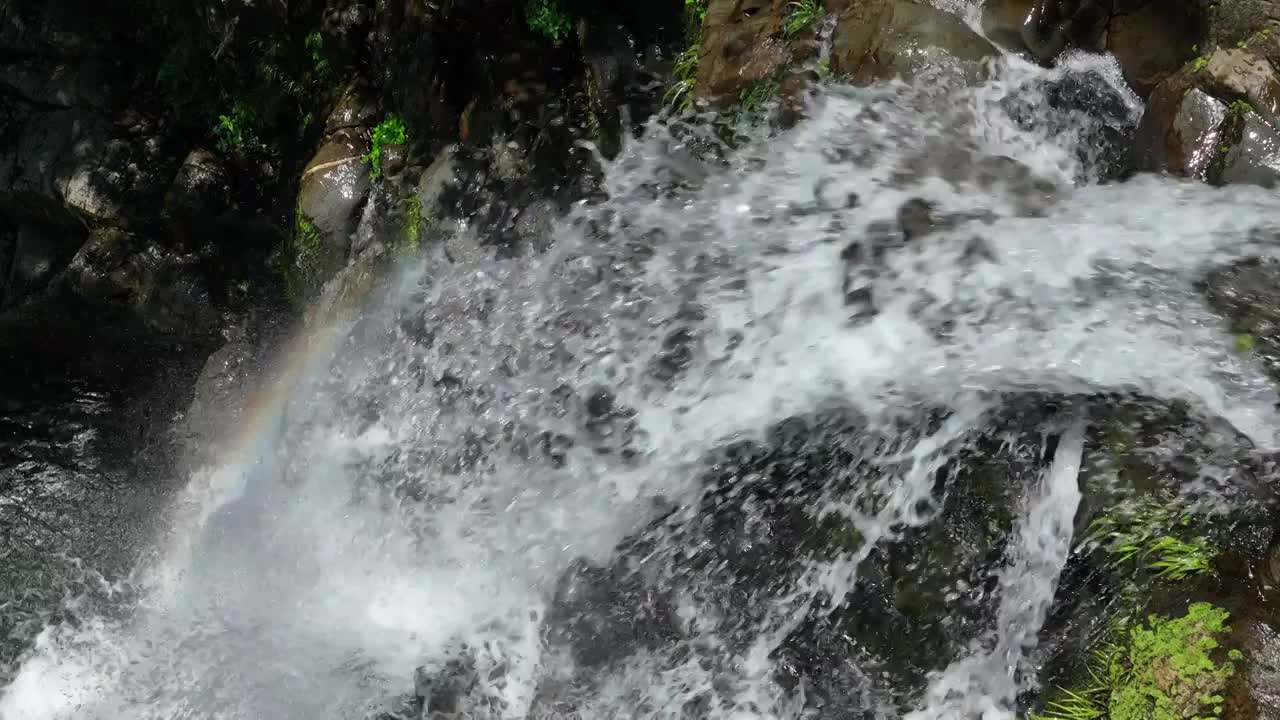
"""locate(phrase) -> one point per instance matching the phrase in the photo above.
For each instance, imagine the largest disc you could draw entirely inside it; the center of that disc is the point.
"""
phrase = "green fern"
(801, 16)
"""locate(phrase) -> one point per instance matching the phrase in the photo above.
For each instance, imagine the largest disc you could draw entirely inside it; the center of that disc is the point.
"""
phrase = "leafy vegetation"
(1154, 535)
(1199, 63)
(753, 102)
(683, 73)
(390, 131)
(237, 129)
(549, 19)
(801, 15)
(1240, 108)
(1165, 669)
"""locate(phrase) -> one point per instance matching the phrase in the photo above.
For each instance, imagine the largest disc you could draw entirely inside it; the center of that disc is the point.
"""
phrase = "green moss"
(549, 19)
(801, 15)
(413, 224)
(1244, 343)
(1155, 536)
(1165, 669)
(390, 131)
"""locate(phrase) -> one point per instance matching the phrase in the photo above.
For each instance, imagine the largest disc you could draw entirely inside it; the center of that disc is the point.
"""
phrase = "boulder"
(335, 186)
(742, 44)
(198, 196)
(1180, 131)
(1234, 73)
(882, 39)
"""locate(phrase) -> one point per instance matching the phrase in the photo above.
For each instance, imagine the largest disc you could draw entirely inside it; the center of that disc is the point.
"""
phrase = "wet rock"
(1255, 158)
(1248, 295)
(345, 294)
(355, 109)
(882, 39)
(606, 614)
(335, 185)
(1181, 130)
(1254, 691)
(1150, 40)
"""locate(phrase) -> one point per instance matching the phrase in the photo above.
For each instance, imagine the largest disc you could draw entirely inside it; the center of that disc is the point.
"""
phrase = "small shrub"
(390, 131)
(801, 16)
(549, 19)
(237, 129)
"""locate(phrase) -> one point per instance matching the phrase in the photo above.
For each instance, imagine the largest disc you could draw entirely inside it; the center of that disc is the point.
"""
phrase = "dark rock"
(164, 289)
(197, 198)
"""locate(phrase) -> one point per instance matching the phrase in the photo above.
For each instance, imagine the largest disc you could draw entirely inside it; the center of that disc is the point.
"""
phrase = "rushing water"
(439, 472)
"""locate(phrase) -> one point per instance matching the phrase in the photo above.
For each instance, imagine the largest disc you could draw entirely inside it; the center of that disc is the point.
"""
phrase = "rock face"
(882, 39)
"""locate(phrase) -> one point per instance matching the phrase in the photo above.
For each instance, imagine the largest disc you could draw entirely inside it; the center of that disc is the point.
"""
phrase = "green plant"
(801, 15)
(753, 102)
(1165, 669)
(1152, 533)
(390, 131)
(684, 75)
(549, 19)
(237, 129)
(1199, 63)
(321, 68)
(1244, 343)
(1239, 108)
(696, 11)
